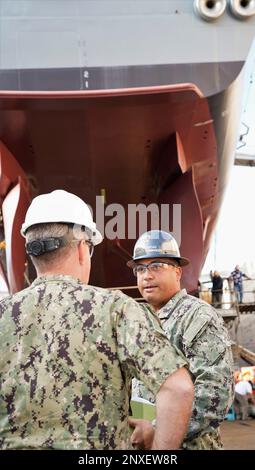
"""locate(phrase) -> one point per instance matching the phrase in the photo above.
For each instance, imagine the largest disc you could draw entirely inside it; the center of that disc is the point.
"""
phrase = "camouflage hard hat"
(156, 244)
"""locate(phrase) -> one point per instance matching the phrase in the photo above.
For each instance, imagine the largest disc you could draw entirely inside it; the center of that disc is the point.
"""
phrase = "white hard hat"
(61, 206)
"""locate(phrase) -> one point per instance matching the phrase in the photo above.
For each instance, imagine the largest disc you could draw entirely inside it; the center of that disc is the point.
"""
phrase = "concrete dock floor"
(238, 435)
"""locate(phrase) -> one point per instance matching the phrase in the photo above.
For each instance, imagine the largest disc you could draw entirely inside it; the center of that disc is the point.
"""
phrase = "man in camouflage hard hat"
(195, 329)
(70, 350)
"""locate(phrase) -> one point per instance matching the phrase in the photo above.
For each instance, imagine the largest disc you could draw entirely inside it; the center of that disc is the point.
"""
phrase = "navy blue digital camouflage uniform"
(68, 355)
(197, 331)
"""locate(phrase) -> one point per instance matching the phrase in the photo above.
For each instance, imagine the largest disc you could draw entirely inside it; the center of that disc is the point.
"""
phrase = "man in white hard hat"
(70, 350)
(195, 329)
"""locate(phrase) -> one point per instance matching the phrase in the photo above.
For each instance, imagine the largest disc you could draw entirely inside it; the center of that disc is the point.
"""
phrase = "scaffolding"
(231, 311)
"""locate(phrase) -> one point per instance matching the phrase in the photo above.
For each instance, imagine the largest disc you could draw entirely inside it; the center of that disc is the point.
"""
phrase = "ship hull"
(165, 145)
(134, 102)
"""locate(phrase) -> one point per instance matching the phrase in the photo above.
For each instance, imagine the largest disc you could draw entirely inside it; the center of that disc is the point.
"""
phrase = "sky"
(234, 239)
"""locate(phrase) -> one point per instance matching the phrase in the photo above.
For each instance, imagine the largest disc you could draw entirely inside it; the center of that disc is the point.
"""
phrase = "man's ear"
(82, 252)
(179, 273)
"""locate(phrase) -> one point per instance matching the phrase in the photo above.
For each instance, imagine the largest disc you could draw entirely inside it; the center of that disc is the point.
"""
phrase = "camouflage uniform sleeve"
(208, 349)
(144, 350)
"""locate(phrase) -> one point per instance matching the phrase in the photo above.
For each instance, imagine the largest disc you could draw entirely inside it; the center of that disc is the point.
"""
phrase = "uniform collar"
(167, 310)
(56, 278)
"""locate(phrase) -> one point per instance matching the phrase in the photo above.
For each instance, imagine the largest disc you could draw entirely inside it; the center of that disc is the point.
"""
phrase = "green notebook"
(143, 409)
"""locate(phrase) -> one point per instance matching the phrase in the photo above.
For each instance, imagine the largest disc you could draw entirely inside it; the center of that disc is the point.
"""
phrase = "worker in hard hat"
(195, 329)
(70, 350)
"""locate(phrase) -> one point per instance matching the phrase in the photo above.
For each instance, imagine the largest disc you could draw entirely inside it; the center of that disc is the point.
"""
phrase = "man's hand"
(143, 433)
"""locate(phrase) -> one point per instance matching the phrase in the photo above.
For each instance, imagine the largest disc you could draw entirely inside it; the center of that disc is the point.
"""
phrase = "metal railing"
(229, 298)
(128, 288)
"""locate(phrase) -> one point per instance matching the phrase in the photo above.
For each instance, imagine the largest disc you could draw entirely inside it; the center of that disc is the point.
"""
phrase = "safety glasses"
(154, 267)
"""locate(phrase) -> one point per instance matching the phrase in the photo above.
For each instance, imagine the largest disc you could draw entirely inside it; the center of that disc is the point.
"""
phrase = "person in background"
(243, 394)
(251, 406)
(237, 278)
(217, 289)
